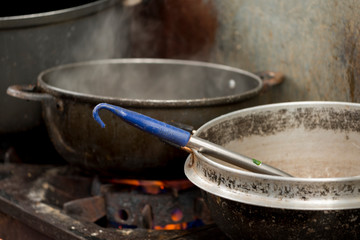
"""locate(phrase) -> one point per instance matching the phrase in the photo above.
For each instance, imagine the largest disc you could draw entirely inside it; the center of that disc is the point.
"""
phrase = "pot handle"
(270, 78)
(28, 92)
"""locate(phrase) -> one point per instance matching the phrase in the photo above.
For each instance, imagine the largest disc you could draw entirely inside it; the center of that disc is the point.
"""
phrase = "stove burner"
(154, 206)
(131, 203)
(63, 203)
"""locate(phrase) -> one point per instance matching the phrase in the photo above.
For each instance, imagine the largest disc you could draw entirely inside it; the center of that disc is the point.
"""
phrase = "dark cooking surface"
(20, 204)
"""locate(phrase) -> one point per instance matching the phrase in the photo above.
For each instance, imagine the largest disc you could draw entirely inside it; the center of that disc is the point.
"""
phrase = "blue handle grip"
(160, 129)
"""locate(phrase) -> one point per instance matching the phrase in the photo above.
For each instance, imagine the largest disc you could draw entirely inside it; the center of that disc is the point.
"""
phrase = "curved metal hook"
(160, 129)
(114, 109)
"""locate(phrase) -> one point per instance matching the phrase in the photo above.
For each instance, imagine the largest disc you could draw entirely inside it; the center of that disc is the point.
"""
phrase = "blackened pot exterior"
(245, 221)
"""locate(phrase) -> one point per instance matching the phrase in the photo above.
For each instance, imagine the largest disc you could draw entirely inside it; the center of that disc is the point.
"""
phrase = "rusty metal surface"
(11, 228)
(314, 43)
(162, 205)
(173, 29)
(88, 209)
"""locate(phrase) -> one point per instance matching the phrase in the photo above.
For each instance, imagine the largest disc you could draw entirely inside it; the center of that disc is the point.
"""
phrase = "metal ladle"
(185, 140)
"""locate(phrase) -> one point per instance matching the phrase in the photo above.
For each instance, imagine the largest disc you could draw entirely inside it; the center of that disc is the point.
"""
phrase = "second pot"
(172, 91)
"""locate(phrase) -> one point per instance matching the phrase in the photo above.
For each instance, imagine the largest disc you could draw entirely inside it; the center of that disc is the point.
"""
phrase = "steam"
(105, 37)
(152, 80)
(151, 29)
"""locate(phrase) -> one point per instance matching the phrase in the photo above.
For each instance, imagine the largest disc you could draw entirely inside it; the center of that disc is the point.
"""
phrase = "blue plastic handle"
(160, 129)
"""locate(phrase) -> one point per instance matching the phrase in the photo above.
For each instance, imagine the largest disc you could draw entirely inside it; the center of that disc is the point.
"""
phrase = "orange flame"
(176, 215)
(155, 186)
(175, 226)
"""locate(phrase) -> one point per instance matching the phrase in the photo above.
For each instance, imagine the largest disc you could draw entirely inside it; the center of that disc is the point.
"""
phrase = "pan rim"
(196, 102)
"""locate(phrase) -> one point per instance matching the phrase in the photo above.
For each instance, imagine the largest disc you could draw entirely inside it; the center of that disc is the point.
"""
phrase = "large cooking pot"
(173, 91)
(317, 142)
(35, 40)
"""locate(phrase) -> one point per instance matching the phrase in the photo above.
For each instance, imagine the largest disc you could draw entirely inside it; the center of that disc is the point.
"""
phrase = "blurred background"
(315, 44)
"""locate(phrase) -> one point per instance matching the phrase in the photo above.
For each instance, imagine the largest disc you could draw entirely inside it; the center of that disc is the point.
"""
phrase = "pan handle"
(28, 92)
(270, 78)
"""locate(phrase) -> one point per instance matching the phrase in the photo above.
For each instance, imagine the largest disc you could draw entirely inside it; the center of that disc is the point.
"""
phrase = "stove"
(60, 201)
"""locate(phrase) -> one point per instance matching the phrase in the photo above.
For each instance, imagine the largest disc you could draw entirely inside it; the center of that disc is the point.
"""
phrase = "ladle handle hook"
(160, 129)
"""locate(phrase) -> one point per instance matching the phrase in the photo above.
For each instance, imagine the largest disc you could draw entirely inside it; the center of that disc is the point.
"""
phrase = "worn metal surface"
(11, 228)
(317, 142)
(314, 43)
(88, 209)
(163, 204)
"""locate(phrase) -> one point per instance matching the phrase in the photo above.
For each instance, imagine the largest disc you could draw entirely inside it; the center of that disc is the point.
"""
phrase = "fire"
(176, 215)
(151, 187)
(155, 186)
(171, 226)
(178, 221)
(174, 226)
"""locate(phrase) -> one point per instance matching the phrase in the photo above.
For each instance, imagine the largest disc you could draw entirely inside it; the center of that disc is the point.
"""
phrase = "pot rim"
(36, 19)
(127, 102)
(197, 163)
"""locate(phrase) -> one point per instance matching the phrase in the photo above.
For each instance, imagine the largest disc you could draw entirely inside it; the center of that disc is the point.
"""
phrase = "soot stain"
(304, 192)
(270, 122)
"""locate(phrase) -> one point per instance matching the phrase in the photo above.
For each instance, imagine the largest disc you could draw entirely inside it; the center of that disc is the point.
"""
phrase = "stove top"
(31, 205)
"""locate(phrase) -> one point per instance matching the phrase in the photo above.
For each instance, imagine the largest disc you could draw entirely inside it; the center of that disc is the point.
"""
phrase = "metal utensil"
(185, 140)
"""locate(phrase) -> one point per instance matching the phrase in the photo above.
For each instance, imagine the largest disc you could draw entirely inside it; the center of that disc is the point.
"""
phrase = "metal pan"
(317, 142)
(172, 91)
